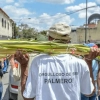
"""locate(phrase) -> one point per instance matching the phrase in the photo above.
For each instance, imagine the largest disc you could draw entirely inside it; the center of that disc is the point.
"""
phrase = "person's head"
(59, 31)
(88, 41)
(4, 58)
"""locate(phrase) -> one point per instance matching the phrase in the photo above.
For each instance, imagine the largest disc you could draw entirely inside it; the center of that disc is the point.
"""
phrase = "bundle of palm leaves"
(8, 47)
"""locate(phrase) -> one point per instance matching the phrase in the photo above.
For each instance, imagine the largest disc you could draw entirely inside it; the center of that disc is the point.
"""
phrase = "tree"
(27, 32)
(42, 36)
(15, 31)
(43, 32)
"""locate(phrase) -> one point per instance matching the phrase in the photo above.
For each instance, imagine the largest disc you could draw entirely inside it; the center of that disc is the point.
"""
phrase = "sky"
(42, 14)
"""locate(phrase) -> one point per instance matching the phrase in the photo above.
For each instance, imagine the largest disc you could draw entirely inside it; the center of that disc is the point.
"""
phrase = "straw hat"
(60, 31)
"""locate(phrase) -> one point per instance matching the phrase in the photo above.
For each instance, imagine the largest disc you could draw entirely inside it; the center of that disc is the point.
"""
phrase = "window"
(2, 22)
(5, 23)
(8, 26)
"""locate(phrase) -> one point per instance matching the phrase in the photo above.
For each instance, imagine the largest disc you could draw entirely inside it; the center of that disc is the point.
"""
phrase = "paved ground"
(5, 81)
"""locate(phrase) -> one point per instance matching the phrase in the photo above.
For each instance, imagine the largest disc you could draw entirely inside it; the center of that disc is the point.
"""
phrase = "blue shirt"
(95, 69)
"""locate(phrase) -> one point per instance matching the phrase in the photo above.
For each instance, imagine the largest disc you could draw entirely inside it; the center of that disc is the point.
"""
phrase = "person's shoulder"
(38, 57)
(77, 58)
(41, 55)
(83, 64)
(33, 54)
(80, 61)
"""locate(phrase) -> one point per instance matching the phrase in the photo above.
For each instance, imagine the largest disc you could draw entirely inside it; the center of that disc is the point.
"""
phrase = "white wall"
(73, 36)
(5, 32)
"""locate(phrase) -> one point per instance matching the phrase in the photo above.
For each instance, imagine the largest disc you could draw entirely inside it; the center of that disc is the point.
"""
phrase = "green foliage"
(15, 31)
(43, 32)
(26, 32)
(41, 37)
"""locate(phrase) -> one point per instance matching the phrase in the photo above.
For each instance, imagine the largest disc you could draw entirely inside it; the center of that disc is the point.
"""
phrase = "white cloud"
(80, 6)
(98, 1)
(16, 4)
(9, 1)
(16, 12)
(20, 14)
(82, 13)
(5, 2)
(48, 1)
(45, 21)
(25, 1)
(57, 1)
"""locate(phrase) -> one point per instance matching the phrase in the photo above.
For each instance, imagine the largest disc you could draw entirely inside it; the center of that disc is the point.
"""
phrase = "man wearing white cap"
(60, 77)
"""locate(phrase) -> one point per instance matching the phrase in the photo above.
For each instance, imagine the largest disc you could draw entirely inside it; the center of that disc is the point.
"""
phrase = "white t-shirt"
(61, 77)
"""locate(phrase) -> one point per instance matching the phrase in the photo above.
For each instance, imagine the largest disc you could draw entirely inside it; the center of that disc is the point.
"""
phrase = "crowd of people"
(4, 63)
(59, 77)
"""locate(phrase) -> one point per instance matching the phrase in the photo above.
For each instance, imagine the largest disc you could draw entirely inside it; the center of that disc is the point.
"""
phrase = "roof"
(92, 25)
(4, 12)
(94, 16)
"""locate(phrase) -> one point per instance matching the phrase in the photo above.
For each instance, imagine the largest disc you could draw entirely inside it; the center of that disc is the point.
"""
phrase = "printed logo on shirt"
(58, 80)
(58, 74)
(54, 78)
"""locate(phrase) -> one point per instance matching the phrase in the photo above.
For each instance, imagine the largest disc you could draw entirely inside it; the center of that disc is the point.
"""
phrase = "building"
(93, 30)
(93, 33)
(5, 25)
(73, 34)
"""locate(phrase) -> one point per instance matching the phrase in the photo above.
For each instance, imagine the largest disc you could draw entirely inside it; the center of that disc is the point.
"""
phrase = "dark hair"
(1, 71)
(89, 41)
(0, 65)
